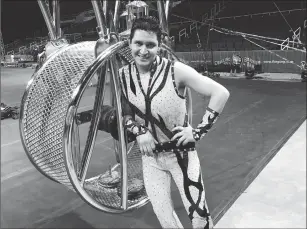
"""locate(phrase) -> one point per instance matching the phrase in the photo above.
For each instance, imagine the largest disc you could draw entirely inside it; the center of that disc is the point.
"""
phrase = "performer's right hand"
(147, 144)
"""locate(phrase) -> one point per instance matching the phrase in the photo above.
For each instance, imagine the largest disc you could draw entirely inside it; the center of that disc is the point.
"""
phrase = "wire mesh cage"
(44, 105)
(42, 124)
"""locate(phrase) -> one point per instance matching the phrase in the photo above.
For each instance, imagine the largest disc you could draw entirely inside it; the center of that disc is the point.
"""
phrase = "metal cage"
(50, 131)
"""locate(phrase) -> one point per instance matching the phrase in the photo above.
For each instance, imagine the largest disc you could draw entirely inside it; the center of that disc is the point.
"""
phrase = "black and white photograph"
(153, 113)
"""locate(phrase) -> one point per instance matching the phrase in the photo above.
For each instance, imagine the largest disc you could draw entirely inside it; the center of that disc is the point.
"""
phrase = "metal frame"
(107, 45)
(76, 180)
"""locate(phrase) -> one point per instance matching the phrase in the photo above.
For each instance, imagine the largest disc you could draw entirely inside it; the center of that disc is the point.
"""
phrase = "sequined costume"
(158, 105)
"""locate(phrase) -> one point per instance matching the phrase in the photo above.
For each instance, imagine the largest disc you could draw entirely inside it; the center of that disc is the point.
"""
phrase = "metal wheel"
(51, 137)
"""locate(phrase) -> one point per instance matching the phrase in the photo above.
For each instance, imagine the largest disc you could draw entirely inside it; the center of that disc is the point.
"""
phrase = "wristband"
(135, 128)
(203, 128)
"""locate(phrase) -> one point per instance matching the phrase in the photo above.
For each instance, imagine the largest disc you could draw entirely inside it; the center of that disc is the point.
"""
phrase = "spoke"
(76, 146)
(90, 142)
(113, 104)
(121, 137)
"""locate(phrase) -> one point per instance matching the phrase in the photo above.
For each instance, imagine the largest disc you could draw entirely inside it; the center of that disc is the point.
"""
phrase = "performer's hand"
(147, 144)
(184, 135)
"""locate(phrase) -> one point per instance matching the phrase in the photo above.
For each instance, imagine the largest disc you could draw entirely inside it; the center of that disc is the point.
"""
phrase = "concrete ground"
(258, 119)
(277, 197)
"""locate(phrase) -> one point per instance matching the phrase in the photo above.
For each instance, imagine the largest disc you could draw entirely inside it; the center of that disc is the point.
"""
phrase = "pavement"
(257, 121)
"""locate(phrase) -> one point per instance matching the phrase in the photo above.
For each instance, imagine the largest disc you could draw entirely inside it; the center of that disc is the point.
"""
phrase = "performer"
(154, 108)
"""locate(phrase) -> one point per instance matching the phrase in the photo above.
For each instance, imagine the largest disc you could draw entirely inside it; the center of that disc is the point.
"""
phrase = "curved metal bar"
(48, 18)
(68, 128)
(101, 20)
(22, 134)
(22, 113)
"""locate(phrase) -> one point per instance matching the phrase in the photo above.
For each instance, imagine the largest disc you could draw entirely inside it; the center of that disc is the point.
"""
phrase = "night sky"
(21, 19)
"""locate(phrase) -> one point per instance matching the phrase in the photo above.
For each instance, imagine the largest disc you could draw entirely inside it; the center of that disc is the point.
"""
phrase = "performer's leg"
(157, 184)
(186, 172)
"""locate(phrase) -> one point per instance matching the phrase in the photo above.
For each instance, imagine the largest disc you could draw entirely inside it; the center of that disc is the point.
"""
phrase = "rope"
(244, 15)
(272, 52)
(284, 17)
(254, 35)
(192, 14)
(244, 37)
(256, 14)
(245, 34)
(300, 50)
(259, 37)
(209, 24)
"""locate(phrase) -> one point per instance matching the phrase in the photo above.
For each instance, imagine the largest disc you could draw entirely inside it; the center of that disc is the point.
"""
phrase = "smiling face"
(144, 48)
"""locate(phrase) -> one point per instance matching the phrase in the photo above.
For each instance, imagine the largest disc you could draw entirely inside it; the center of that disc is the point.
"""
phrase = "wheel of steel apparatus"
(50, 134)
(129, 192)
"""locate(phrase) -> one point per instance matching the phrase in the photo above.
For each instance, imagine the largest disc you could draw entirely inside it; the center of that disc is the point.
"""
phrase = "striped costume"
(157, 104)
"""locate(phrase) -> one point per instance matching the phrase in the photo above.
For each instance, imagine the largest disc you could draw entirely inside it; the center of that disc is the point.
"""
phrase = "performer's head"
(145, 40)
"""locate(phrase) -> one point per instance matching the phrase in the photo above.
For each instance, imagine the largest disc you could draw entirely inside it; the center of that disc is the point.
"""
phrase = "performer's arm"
(130, 124)
(145, 140)
(185, 76)
(138, 131)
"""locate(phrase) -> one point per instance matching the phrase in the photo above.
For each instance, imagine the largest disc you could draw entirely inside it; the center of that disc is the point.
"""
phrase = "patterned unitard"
(157, 104)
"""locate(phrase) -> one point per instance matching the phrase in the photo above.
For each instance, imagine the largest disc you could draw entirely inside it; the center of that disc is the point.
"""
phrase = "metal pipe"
(162, 17)
(146, 11)
(167, 9)
(116, 15)
(57, 18)
(101, 21)
(105, 8)
(48, 18)
(123, 153)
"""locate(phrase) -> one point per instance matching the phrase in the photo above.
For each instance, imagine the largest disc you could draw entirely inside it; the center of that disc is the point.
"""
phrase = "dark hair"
(147, 23)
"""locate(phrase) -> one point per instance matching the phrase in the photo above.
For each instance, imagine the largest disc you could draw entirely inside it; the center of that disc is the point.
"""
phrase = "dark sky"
(20, 19)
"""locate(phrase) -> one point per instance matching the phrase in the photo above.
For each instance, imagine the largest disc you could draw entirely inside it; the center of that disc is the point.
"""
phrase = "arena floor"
(258, 119)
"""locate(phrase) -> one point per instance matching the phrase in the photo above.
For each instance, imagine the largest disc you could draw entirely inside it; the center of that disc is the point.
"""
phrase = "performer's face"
(144, 47)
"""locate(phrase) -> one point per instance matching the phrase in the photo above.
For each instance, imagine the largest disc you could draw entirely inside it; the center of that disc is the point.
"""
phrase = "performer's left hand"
(184, 135)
